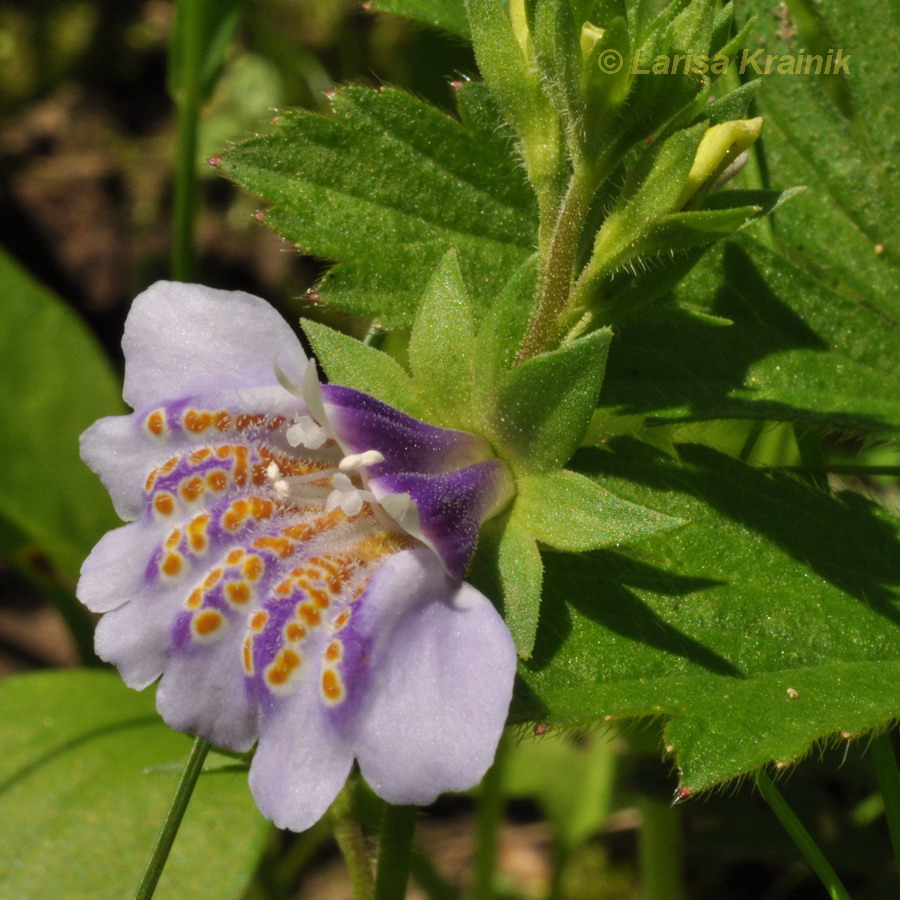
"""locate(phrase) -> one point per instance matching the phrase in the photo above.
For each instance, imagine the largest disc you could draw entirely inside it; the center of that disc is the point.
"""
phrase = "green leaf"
(441, 347)
(797, 351)
(771, 587)
(47, 495)
(546, 402)
(506, 59)
(75, 789)
(836, 134)
(387, 187)
(447, 14)
(352, 363)
(521, 570)
(567, 511)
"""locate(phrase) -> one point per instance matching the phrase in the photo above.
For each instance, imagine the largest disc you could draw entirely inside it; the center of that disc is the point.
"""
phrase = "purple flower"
(293, 560)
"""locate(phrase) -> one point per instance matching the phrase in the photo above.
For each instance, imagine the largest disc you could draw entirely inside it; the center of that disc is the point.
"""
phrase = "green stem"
(556, 268)
(352, 842)
(659, 851)
(398, 825)
(188, 47)
(489, 819)
(169, 830)
(802, 838)
(885, 762)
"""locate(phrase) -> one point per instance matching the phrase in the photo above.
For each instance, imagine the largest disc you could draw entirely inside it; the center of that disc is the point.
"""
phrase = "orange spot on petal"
(164, 504)
(156, 423)
(331, 685)
(207, 622)
(237, 592)
(171, 564)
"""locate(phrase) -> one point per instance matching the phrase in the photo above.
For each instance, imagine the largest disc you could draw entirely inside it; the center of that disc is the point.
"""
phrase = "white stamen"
(282, 489)
(305, 432)
(359, 460)
(347, 496)
(273, 473)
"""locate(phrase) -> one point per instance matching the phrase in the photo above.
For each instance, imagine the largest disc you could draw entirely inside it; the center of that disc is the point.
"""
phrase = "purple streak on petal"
(443, 664)
(451, 506)
(452, 475)
(408, 445)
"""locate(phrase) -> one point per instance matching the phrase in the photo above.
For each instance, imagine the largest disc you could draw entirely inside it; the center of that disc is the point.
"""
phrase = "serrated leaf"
(567, 511)
(77, 747)
(546, 402)
(352, 363)
(47, 494)
(837, 135)
(450, 15)
(441, 347)
(370, 189)
(797, 351)
(770, 585)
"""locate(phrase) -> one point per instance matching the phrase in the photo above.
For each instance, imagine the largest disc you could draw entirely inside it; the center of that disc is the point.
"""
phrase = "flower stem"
(885, 762)
(802, 838)
(556, 268)
(188, 47)
(352, 842)
(398, 824)
(171, 823)
(659, 851)
(489, 819)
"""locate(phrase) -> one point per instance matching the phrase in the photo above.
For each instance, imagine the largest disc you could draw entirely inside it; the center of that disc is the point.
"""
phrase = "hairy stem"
(351, 841)
(398, 824)
(489, 820)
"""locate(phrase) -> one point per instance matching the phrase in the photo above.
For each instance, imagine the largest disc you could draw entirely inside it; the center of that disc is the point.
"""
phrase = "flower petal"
(300, 765)
(452, 476)
(186, 339)
(442, 664)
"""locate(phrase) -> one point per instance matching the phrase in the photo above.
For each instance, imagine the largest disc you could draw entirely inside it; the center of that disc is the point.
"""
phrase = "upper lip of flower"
(258, 581)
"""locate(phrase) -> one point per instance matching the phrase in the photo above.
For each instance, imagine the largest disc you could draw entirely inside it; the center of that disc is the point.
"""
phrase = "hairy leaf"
(772, 588)
(385, 188)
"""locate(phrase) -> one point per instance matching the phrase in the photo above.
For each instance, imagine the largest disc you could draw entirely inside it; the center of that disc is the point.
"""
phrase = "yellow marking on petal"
(199, 456)
(164, 503)
(222, 420)
(173, 540)
(258, 620)
(151, 480)
(284, 664)
(334, 651)
(207, 622)
(253, 567)
(235, 515)
(235, 556)
(239, 472)
(172, 565)
(195, 601)
(310, 615)
(237, 592)
(224, 451)
(248, 655)
(294, 631)
(212, 579)
(260, 508)
(168, 466)
(217, 480)
(285, 588)
(279, 545)
(332, 687)
(192, 489)
(342, 620)
(318, 597)
(196, 531)
(156, 423)
(196, 421)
